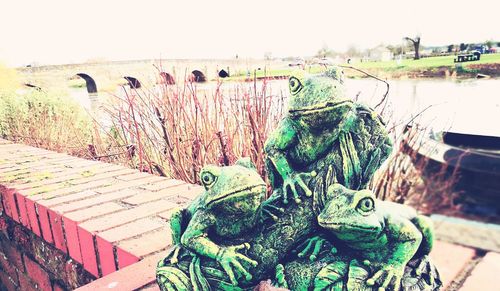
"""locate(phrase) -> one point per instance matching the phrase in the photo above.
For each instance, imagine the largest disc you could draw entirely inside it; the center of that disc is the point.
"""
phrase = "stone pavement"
(114, 221)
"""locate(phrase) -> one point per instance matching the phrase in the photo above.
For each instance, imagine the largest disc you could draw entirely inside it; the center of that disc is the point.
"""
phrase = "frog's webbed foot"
(173, 255)
(313, 248)
(426, 267)
(388, 276)
(292, 181)
(172, 279)
(358, 273)
(280, 277)
(271, 211)
(231, 260)
(331, 277)
(198, 281)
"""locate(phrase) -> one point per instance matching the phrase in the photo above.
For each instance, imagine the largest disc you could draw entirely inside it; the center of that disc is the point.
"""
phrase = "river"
(466, 106)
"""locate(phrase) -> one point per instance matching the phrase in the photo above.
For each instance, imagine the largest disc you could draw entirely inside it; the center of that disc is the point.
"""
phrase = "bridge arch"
(198, 76)
(32, 86)
(89, 81)
(133, 82)
(166, 78)
(223, 73)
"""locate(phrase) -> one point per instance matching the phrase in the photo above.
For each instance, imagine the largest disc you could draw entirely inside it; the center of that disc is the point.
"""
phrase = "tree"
(450, 48)
(489, 43)
(463, 47)
(353, 51)
(324, 52)
(416, 46)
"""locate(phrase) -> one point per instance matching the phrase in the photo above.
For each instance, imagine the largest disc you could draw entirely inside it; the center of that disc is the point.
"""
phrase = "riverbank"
(432, 67)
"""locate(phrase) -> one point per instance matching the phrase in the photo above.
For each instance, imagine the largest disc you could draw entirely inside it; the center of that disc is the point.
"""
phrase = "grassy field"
(408, 65)
(431, 62)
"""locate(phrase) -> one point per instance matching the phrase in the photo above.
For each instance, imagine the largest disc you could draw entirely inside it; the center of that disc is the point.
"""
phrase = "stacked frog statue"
(321, 229)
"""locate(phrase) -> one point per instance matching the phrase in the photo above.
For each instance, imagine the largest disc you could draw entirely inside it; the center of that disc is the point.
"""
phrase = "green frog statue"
(322, 155)
(368, 244)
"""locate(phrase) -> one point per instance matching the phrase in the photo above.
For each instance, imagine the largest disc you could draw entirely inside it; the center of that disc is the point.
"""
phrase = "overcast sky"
(62, 31)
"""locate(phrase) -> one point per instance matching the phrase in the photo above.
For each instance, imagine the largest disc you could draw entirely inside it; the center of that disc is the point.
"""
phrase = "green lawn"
(425, 62)
(409, 64)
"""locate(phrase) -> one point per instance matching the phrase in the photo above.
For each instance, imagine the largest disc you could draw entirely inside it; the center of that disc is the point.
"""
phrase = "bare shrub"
(174, 130)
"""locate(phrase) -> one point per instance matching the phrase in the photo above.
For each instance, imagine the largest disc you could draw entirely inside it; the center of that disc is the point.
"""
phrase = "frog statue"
(384, 236)
(327, 134)
(322, 155)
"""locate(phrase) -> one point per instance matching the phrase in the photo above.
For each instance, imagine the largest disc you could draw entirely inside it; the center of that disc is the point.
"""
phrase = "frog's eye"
(295, 85)
(208, 179)
(366, 204)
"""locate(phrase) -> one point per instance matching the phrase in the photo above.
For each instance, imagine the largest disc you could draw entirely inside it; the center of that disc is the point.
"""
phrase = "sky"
(62, 31)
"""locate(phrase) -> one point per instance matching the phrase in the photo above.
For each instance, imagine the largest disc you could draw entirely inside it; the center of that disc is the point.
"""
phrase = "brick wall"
(65, 221)
(27, 262)
(99, 216)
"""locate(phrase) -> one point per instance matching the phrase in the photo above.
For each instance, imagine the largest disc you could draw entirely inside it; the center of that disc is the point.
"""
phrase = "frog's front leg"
(196, 239)
(405, 239)
(291, 179)
(313, 247)
(177, 222)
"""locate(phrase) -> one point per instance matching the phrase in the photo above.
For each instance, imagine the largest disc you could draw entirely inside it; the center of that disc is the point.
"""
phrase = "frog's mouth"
(328, 106)
(239, 192)
(338, 226)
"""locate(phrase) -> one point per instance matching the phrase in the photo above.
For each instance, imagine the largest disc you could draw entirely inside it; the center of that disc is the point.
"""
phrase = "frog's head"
(318, 99)
(233, 189)
(351, 215)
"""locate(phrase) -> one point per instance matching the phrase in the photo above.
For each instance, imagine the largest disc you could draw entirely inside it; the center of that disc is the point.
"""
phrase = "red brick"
(125, 258)
(152, 196)
(8, 268)
(484, 274)
(43, 217)
(110, 173)
(58, 287)
(133, 176)
(70, 174)
(50, 202)
(23, 213)
(32, 215)
(131, 278)
(450, 259)
(167, 214)
(82, 187)
(57, 230)
(147, 243)
(87, 249)
(9, 203)
(131, 184)
(160, 185)
(193, 193)
(96, 200)
(13, 256)
(25, 283)
(95, 211)
(106, 256)
(106, 239)
(7, 282)
(72, 240)
(37, 274)
(123, 217)
(130, 230)
(1, 202)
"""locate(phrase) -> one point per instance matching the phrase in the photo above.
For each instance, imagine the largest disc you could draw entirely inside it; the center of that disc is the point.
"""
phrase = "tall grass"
(47, 120)
(174, 130)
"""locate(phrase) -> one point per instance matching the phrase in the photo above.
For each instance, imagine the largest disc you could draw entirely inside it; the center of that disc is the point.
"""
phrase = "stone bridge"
(105, 76)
